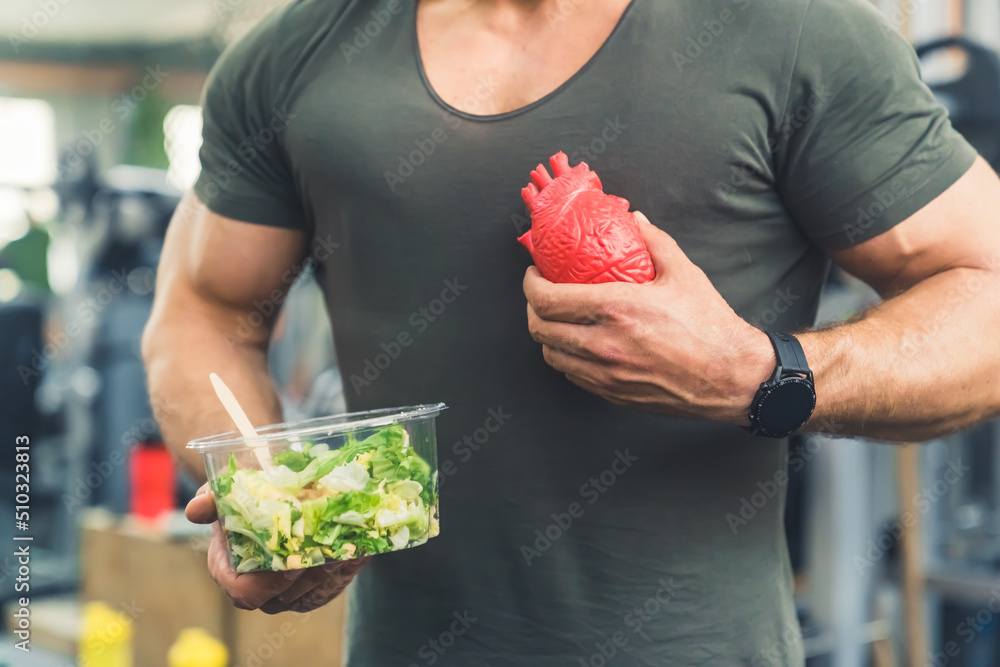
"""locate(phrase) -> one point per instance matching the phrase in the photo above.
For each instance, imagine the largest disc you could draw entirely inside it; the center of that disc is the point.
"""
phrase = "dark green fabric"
(760, 134)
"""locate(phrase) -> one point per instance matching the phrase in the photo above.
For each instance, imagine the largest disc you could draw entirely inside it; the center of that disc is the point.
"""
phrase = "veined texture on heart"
(578, 233)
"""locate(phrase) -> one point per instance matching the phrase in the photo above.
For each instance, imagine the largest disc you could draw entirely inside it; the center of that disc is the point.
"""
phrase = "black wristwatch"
(784, 402)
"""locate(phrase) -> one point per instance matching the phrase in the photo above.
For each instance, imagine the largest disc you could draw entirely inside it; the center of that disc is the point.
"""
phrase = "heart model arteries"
(578, 233)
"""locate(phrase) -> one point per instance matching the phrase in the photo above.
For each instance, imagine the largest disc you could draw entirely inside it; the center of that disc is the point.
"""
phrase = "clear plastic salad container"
(334, 488)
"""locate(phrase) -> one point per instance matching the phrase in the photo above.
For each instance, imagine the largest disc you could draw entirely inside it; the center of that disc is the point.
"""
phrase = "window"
(182, 139)
(27, 142)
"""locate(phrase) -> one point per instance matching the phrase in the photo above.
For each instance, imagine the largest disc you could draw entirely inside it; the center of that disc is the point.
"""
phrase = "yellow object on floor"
(197, 648)
(106, 640)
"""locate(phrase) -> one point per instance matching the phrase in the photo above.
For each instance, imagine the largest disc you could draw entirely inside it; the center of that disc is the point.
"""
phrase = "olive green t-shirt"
(760, 134)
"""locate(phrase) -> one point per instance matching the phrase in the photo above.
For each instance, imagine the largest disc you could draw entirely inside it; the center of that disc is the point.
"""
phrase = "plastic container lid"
(328, 426)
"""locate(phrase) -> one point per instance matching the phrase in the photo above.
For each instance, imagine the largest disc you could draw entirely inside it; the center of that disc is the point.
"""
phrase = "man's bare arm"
(212, 271)
(925, 362)
(214, 274)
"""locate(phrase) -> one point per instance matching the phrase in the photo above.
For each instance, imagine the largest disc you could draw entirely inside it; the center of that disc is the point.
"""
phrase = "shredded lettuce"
(312, 506)
(349, 477)
(291, 459)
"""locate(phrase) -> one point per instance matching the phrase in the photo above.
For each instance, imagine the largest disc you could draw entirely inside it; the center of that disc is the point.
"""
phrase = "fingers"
(323, 579)
(201, 508)
(249, 590)
(310, 580)
(565, 302)
(662, 247)
(348, 568)
(584, 374)
(570, 364)
(595, 389)
(301, 605)
(315, 589)
(572, 338)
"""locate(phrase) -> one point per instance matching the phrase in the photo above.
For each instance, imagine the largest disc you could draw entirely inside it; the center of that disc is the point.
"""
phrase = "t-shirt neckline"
(415, 40)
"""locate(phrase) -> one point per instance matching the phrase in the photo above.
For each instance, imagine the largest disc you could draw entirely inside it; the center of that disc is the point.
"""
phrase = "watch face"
(786, 406)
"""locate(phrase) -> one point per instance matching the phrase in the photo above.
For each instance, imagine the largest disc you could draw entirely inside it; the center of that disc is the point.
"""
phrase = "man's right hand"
(271, 592)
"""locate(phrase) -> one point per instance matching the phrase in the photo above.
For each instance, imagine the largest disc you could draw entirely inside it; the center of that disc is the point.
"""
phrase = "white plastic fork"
(238, 415)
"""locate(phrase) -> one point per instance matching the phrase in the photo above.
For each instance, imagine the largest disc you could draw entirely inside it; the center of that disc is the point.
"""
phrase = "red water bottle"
(153, 479)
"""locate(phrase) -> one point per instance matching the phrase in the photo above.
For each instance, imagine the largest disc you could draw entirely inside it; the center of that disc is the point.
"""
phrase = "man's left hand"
(671, 346)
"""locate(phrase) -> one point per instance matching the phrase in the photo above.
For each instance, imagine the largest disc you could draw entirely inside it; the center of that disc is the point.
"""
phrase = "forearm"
(180, 350)
(920, 365)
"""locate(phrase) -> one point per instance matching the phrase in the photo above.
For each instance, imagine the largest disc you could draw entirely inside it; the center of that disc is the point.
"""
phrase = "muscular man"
(586, 481)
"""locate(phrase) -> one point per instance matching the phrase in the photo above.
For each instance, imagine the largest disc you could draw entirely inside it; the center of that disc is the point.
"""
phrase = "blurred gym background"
(896, 549)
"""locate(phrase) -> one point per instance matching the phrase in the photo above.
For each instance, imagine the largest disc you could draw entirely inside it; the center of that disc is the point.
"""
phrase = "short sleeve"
(863, 144)
(245, 173)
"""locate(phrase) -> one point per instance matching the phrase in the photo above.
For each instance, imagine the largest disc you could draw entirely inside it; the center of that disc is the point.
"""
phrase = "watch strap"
(788, 350)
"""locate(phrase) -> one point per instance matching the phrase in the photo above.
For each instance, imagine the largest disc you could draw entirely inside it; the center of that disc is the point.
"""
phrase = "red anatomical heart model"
(579, 234)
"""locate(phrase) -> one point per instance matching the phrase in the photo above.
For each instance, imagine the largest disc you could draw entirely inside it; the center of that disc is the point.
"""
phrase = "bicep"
(220, 268)
(958, 229)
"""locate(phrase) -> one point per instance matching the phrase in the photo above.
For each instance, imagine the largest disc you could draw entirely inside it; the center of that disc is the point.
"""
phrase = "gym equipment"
(973, 99)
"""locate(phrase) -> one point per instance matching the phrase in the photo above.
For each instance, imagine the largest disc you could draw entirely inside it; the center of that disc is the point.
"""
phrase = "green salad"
(312, 506)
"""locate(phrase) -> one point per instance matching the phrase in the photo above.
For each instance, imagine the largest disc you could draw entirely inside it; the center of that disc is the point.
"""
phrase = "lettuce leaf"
(346, 478)
(223, 481)
(291, 459)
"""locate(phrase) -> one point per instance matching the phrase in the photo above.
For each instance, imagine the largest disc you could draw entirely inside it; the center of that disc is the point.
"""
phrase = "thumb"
(201, 508)
(666, 254)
